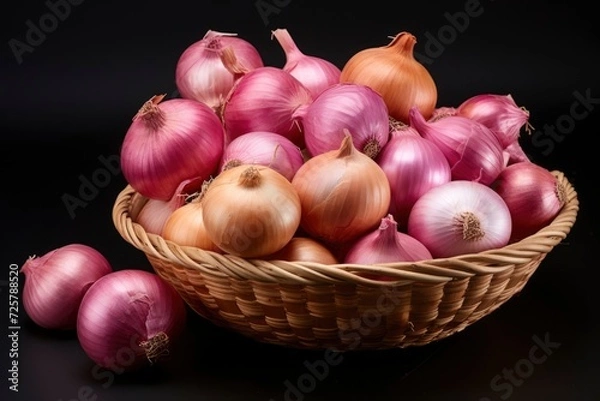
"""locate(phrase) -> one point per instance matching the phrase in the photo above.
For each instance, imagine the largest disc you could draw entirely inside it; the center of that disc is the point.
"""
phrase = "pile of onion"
(304, 159)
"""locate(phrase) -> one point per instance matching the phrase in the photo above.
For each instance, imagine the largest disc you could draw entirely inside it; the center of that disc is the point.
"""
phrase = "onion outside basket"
(316, 306)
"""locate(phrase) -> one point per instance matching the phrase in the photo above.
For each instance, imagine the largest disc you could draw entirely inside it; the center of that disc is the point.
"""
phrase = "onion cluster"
(357, 164)
(124, 319)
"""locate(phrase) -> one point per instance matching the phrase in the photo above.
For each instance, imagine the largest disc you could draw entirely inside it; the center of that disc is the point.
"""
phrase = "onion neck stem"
(403, 43)
(287, 44)
(388, 229)
(156, 347)
(469, 226)
(347, 146)
(151, 114)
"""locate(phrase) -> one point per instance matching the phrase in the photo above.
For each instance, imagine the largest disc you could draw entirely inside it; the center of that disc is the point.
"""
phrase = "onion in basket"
(386, 245)
(460, 217)
(251, 211)
(533, 195)
(344, 193)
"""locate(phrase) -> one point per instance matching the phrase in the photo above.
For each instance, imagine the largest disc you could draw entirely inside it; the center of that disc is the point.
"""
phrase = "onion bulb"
(315, 73)
(471, 148)
(200, 74)
(185, 226)
(265, 149)
(263, 99)
(57, 281)
(393, 71)
(355, 108)
(413, 165)
(155, 213)
(251, 211)
(168, 142)
(533, 195)
(503, 116)
(304, 249)
(343, 192)
(386, 245)
(460, 217)
(129, 319)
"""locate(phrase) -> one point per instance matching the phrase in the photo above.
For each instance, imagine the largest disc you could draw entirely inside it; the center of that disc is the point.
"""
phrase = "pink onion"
(499, 113)
(155, 213)
(168, 142)
(263, 99)
(353, 107)
(413, 165)
(315, 73)
(533, 195)
(503, 116)
(57, 281)
(472, 149)
(460, 217)
(128, 319)
(200, 74)
(386, 245)
(265, 149)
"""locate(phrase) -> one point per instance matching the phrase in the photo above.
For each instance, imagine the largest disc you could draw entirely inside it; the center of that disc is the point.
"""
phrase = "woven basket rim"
(432, 271)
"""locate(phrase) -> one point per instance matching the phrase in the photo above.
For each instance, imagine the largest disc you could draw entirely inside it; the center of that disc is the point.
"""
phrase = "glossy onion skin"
(124, 309)
(251, 211)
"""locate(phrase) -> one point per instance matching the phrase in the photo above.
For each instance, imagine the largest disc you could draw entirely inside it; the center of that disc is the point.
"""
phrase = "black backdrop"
(68, 95)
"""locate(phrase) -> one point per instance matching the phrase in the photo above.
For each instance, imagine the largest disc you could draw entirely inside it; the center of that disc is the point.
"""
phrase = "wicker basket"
(316, 306)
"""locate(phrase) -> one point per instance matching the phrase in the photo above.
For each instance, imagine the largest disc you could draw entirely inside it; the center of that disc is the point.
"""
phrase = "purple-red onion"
(265, 149)
(472, 149)
(128, 319)
(386, 245)
(353, 107)
(533, 195)
(57, 281)
(200, 74)
(413, 165)
(263, 99)
(315, 73)
(499, 113)
(460, 217)
(168, 142)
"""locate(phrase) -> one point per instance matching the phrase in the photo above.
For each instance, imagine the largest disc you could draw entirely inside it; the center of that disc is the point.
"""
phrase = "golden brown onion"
(394, 72)
(344, 194)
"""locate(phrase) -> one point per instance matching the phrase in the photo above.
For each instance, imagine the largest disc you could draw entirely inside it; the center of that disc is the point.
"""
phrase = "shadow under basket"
(317, 306)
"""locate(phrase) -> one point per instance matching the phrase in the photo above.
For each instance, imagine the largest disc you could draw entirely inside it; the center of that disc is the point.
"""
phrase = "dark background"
(71, 100)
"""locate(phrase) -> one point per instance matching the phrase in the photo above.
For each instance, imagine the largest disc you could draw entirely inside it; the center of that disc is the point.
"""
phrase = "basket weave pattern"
(315, 306)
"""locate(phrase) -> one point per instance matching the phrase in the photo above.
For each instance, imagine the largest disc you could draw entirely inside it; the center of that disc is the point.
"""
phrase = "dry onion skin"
(393, 71)
(251, 211)
(344, 193)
